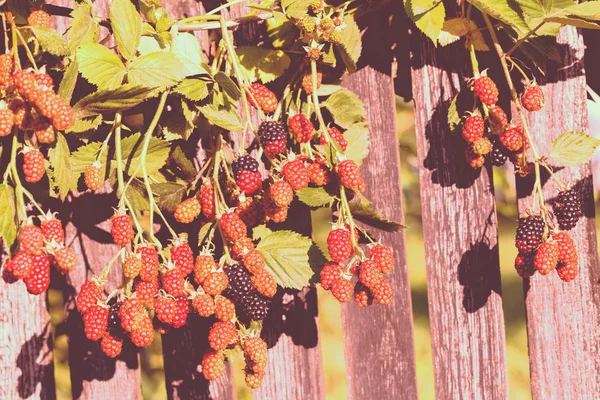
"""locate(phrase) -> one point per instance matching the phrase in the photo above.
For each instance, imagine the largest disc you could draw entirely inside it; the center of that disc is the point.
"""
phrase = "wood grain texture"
(387, 352)
(26, 364)
(460, 232)
(563, 319)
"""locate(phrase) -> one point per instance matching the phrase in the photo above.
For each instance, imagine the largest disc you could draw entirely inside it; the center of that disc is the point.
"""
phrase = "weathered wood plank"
(387, 352)
(460, 232)
(26, 364)
(563, 319)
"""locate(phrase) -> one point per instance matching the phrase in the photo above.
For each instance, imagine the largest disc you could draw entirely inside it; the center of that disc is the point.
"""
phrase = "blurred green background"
(329, 308)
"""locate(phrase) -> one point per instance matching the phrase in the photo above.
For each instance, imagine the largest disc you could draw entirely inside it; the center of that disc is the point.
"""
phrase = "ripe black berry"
(272, 131)
(114, 322)
(568, 208)
(530, 233)
(255, 306)
(239, 281)
(244, 163)
(498, 155)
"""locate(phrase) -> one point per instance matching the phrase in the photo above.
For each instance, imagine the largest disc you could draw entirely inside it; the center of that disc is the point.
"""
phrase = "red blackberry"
(336, 135)
(273, 212)
(566, 248)
(188, 210)
(224, 308)
(255, 353)
(221, 335)
(296, 173)
(485, 88)
(203, 266)
(513, 138)
(7, 121)
(524, 265)
(264, 282)
(261, 97)
(111, 345)
(530, 232)
(207, 199)
(20, 265)
(319, 172)
(31, 239)
(122, 228)
(34, 167)
(249, 210)
(533, 98)
(281, 193)
(383, 293)
(362, 295)
(330, 272)
(254, 261)
(349, 174)
(339, 245)
(474, 160)
(482, 146)
(39, 18)
(43, 130)
(342, 289)
(498, 119)
(241, 247)
(173, 282)
(232, 226)
(254, 379)
(546, 257)
(6, 69)
(204, 304)
(182, 256)
(272, 135)
(213, 365)
(567, 272)
(95, 322)
(307, 81)
(249, 182)
(24, 81)
(39, 277)
(146, 290)
(182, 310)
(383, 257)
(89, 294)
(473, 128)
(93, 176)
(66, 260)
(369, 275)
(215, 283)
(43, 79)
(239, 281)
(244, 163)
(301, 127)
(568, 208)
(255, 306)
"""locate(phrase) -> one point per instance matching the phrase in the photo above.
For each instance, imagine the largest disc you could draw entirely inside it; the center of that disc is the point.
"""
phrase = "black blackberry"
(114, 322)
(498, 155)
(568, 208)
(239, 281)
(255, 306)
(244, 163)
(530, 233)
(272, 135)
(524, 265)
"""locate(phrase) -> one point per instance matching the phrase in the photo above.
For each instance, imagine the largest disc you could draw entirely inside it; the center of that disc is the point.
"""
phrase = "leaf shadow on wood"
(525, 183)
(41, 374)
(479, 274)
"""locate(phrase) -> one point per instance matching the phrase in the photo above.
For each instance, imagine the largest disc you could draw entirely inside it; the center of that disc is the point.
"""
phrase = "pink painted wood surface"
(380, 361)
(563, 319)
(460, 233)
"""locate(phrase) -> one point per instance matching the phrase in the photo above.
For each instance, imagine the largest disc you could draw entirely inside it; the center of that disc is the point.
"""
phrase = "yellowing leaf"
(156, 157)
(346, 108)
(126, 24)
(351, 44)
(573, 148)
(187, 48)
(8, 228)
(261, 63)
(100, 66)
(428, 16)
(60, 160)
(51, 41)
(358, 143)
(156, 69)
(84, 28)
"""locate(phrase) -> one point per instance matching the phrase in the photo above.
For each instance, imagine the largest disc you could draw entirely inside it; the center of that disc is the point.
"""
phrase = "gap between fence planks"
(563, 319)
(461, 238)
(378, 340)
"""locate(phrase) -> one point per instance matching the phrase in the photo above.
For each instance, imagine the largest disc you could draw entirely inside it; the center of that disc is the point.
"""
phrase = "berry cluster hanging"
(159, 126)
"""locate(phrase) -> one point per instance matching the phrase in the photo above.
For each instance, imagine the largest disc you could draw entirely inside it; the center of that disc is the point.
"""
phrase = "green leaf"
(174, 124)
(461, 103)
(346, 108)
(149, 44)
(151, 9)
(138, 196)
(156, 69)
(169, 195)
(60, 160)
(263, 64)
(120, 99)
(131, 152)
(358, 143)
(84, 28)
(8, 228)
(126, 25)
(286, 256)
(181, 165)
(281, 31)
(192, 89)
(588, 10)
(69, 80)
(187, 48)
(295, 8)
(326, 90)
(368, 215)
(205, 231)
(576, 22)
(314, 197)
(538, 11)
(260, 231)
(225, 117)
(84, 123)
(573, 148)
(455, 28)
(505, 11)
(100, 66)
(51, 41)
(351, 44)
(228, 85)
(427, 15)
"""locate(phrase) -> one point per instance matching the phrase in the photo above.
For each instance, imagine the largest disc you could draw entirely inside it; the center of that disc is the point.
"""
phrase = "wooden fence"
(461, 248)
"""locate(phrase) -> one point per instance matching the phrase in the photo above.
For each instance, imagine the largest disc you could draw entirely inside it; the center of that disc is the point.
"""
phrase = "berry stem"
(21, 210)
(27, 50)
(315, 99)
(147, 136)
(28, 194)
(524, 38)
(348, 216)
(517, 103)
(118, 155)
(15, 46)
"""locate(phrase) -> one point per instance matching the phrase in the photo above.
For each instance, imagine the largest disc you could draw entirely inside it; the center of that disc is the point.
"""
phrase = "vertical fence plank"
(460, 231)
(93, 375)
(387, 352)
(563, 319)
(26, 364)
